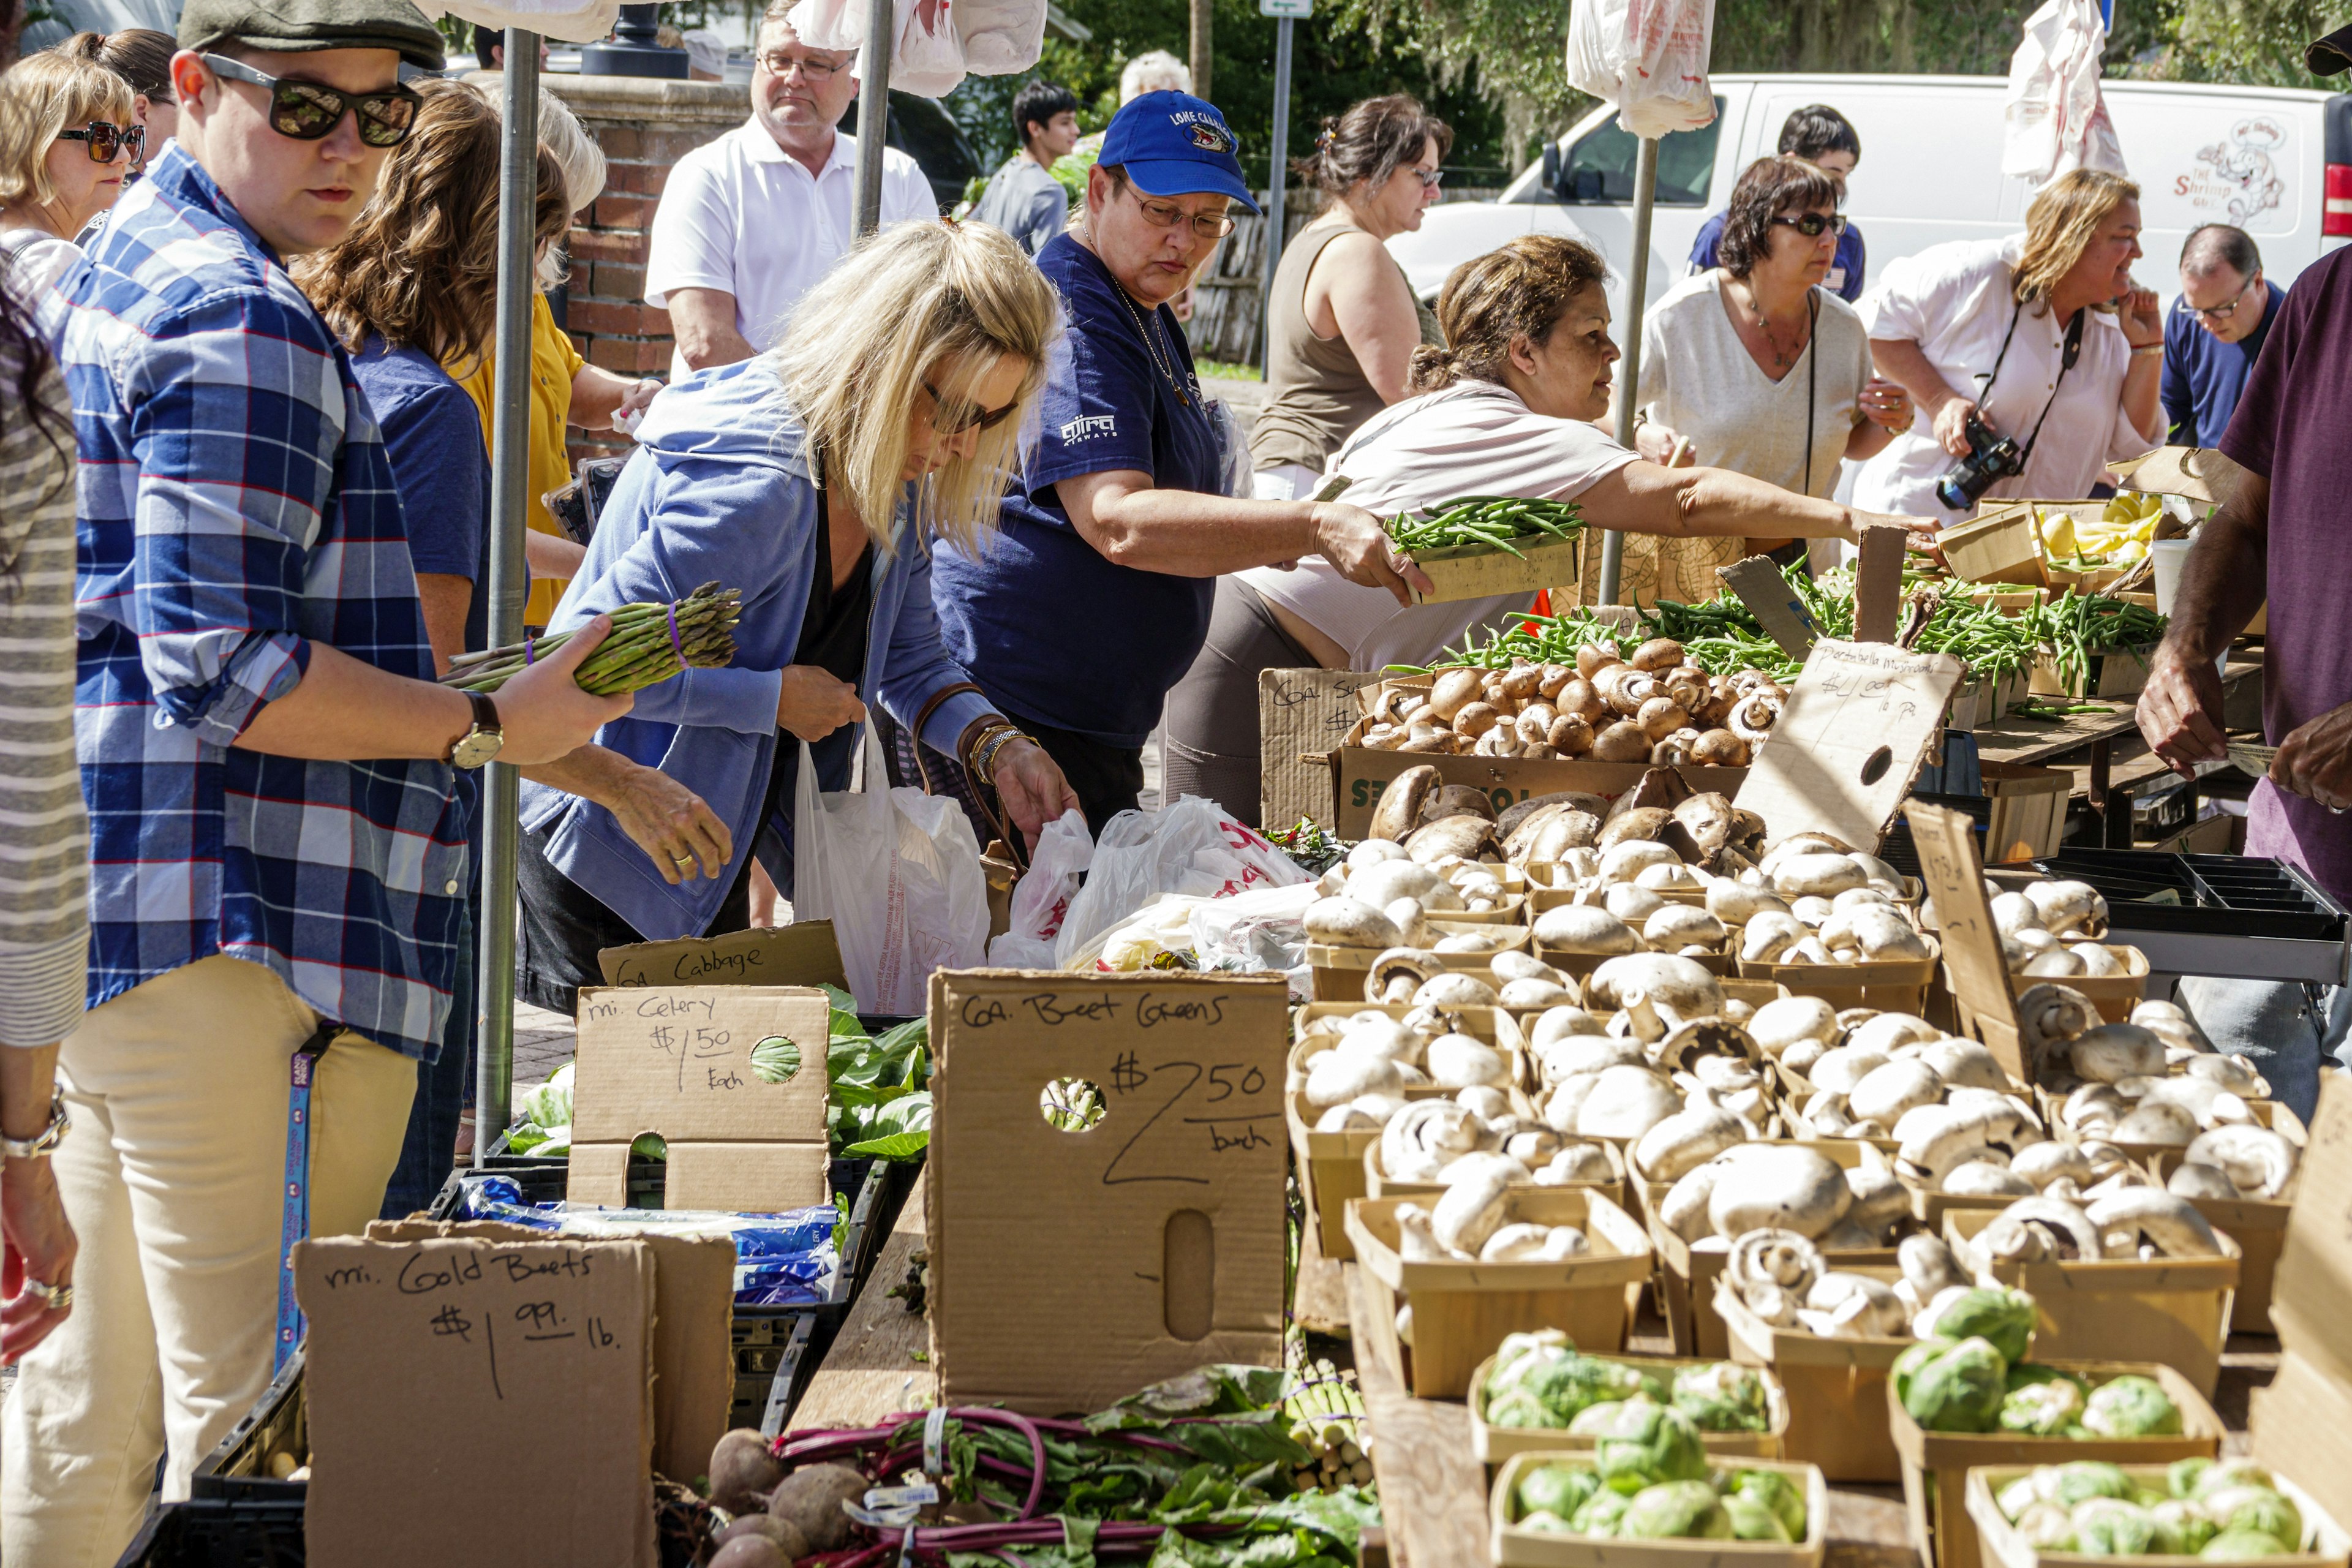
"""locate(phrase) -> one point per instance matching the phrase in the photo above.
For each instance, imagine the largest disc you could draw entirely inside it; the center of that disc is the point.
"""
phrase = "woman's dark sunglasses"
(1813, 225)
(106, 138)
(308, 110)
(950, 418)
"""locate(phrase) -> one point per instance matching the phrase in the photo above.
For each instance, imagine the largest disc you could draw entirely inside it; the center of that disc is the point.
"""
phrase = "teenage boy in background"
(1828, 141)
(1024, 200)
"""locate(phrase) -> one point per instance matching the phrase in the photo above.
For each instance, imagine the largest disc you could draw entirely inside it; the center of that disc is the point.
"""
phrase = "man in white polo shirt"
(748, 223)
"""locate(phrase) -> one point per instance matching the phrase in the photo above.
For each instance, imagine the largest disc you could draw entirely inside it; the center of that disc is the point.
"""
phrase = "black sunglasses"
(953, 418)
(106, 138)
(1813, 225)
(309, 110)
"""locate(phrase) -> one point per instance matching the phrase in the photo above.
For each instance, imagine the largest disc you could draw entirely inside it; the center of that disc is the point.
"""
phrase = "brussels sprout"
(2180, 1477)
(1993, 1312)
(2109, 1526)
(1649, 1443)
(1776, 1491)
(2131, 1406)
(1960, 1390)
(2244, 1543)
(1908, 1363)
(1683, 1507)
(2189, 1526)
(1723, 1397)
(2044, 1408)
(1599, 1514)
(1550, 1523)
(1752, 1521)
(2080, 1478)
(2242, 1507)
(1556, 1489)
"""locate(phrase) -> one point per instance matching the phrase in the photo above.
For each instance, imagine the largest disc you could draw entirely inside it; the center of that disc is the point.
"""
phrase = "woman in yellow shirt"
(564, 388)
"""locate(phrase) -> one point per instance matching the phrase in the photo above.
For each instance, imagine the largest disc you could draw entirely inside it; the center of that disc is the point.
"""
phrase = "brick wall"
(645, 127)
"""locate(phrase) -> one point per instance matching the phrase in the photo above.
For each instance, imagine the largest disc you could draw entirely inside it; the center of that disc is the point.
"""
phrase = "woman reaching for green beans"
(1504, 414)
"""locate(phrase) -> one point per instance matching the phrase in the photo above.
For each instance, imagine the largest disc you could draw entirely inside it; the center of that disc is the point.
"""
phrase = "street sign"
(1296, 10)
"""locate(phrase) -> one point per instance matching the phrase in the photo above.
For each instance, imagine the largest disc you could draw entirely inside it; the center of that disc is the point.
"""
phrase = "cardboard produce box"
(1935, 1465)
(2302, 1423)
(1512, 1547)
(1496, 1444)
(1461, 1310)
(2174, 1311)
(2326, 1541)
(1836, 1387)
(1999, 543)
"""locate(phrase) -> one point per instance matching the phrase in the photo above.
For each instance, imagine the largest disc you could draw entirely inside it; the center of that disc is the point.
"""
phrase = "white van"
(2276, 161)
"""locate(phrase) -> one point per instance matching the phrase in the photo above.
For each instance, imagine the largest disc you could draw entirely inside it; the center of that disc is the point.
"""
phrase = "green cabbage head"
(1776, 1492)
(2108, 1527)
(1908, 1365)
(1991, 1312)
(1558, 1490)
(1752, 1521)
(2083, 1478)
(1960, 1390)
(1646, 1444)
(2188, 1523)
(2180, 1477)
(2040, 1402)
(1678, 1508)
(1599, 1515)
(2237, 1545)
(1723, 1397)
(2131, 1406)
(2253, 1507)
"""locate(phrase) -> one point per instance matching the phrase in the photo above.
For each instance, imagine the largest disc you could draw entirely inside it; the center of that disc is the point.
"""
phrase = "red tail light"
(2336, 213)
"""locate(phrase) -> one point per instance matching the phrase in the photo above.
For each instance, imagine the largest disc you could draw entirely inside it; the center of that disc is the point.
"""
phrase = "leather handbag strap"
(923, 720)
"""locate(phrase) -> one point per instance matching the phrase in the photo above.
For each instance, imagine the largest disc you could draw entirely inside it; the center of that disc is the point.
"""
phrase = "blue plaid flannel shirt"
(237, 506)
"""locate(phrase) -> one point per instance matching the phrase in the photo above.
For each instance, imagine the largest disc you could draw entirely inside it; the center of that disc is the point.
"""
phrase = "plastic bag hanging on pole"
(1648, 57)
(936, 41)
(2053, 120)
(565, 21)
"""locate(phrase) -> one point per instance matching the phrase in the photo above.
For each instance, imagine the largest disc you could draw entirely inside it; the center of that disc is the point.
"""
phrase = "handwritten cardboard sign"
(1762, 587)
(471, 1402)
(1849, 741)
(802, 953)
(1069, 1268)
(1302, 713)
(1948, 870)
(679, 1060)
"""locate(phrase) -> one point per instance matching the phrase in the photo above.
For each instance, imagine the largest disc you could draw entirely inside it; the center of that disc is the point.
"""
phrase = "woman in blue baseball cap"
(1090, 605)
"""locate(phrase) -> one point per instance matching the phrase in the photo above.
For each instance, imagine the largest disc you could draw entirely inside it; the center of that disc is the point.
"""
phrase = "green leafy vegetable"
(1961, 1390)
(775, 1059)
(1723, 1397)
(1776, 1491)
(2131, 1406)
(2236, 1545)
(1558, 1490)
(2109, 1526)
(1646, 1444)
(2040, 1402)
(2001, 1317)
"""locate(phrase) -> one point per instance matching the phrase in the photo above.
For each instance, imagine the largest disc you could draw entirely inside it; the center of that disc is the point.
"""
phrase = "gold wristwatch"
(481, 742)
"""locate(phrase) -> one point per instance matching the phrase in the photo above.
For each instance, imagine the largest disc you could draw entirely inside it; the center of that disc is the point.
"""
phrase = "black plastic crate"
(2204, 895)
(218, 1532)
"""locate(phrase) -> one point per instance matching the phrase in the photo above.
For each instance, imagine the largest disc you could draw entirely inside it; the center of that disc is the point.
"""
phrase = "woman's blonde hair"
(1156, 71)
(903, 304)
(585, 170)
(41, 95)
(1519, 289)
(2059, 228)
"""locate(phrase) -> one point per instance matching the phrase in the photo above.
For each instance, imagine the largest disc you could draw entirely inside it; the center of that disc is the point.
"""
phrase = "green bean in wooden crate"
(1492, 522)
(649, 644)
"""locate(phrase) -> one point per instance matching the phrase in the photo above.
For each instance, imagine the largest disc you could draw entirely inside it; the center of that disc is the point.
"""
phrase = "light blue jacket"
(719, 491)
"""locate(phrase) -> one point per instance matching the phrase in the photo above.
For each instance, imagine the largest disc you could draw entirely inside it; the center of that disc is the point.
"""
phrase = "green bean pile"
(2077, 626)
(1486, 522)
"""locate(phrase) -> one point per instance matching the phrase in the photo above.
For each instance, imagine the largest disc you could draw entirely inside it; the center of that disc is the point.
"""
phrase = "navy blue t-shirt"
(1051, 630)
(434, 437)
(2203, 376)
(1844, 279)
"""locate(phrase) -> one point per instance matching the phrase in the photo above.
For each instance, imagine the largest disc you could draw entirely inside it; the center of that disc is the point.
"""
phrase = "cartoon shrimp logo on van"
(2238, 176)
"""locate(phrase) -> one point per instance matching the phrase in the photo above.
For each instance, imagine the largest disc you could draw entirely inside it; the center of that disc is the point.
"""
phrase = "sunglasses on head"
(1812, 225)
(309, 110)
(951, 416)
(106, 138)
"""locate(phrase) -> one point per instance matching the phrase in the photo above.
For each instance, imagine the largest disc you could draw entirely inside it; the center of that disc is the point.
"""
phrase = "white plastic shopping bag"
(1192, 848)
(1649, 57)
(1041, 900)
(2053, 120)
(898, 873)
(830, 25)
(928, 61)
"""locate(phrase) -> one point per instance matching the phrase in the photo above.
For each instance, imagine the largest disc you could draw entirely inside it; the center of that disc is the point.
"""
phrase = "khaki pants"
(173, 1176)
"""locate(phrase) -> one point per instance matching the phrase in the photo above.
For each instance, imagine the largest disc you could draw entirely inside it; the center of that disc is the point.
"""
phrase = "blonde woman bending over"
(812, 479)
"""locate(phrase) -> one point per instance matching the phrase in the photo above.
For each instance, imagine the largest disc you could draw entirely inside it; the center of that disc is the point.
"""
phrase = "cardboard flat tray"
(2326, 1540)
(1515, 1548)
(1497, 1444)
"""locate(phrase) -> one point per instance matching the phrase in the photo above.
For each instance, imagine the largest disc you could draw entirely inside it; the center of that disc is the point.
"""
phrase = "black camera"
(1991, 458)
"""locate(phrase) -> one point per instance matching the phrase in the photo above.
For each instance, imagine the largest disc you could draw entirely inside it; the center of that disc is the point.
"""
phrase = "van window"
(1599, 168)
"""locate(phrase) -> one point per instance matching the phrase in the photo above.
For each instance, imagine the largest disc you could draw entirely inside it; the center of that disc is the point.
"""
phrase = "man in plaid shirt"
(277, 850)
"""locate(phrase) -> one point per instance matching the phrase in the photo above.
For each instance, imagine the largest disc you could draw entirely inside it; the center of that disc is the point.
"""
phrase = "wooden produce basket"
(1483, 572)
(1331, 1164)
(1512, 911)
(1379, 1184)
(1891, 987)
(2110, 674)
(2009, 598)
(1983, 701)
(2029, 806)
(2114, 995)
(2174, 1311)
(1511, 1547)
(1496, 1444)
(1935, 1465)
(2258, 1227)
(2325, 1542)
(1836, 1387)
(2001, 543)
(1461, 1310)
(1339, 971)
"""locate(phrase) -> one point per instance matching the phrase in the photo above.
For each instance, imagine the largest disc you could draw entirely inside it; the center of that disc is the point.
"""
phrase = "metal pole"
(1279, 186)
(1637, 284)
(509, 585)
(873, 112)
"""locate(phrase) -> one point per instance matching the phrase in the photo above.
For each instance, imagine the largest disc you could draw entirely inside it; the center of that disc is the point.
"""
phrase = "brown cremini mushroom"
(1657, 654)
(1622, 741)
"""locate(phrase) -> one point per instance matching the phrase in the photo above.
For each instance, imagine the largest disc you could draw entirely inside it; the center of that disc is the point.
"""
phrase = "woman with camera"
(1754, 367)
(2036, 358)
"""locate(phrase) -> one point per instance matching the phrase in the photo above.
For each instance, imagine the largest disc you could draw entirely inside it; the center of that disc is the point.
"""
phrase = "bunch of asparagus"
(641, 651)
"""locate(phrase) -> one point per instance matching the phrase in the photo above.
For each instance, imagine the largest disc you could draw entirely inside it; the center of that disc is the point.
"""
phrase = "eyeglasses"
(107, 139)
(1430, 178)
(778, 64)
(953, 416)
(1812, 225)
(309, 110)
(2216, 313)
(1167, 214)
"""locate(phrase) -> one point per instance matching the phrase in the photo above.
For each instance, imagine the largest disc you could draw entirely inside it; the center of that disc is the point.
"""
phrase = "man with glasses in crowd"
(2215, 332)
(748, 223)
(276, 851)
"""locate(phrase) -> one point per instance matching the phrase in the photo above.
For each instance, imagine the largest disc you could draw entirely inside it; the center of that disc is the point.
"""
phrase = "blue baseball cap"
(1173, 145)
